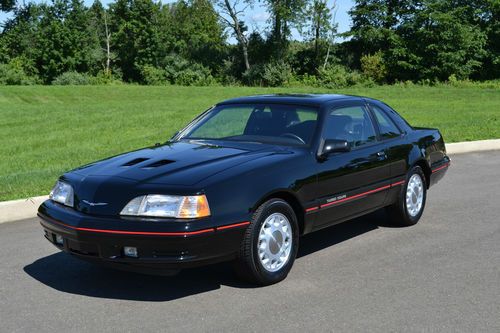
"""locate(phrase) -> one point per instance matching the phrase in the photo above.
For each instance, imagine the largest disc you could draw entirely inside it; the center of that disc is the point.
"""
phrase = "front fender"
(235, 194)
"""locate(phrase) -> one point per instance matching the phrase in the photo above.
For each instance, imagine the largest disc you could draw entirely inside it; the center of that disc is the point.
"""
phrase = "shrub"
(11, 74)
(106, 78)
(72, 78)
(254, 75)
(195, 76)
(305, 80)
(79, 79)
(453, 81)
(337, 76)
(228, 73)
(276, 74)
(153, 76)
(373, 66)
(182, 72)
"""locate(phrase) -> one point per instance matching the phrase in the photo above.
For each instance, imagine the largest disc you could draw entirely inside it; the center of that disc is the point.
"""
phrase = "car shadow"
(68, 274)
(330, 236)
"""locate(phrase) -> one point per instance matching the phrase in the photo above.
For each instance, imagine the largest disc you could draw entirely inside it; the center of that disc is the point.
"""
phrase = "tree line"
(186, 42)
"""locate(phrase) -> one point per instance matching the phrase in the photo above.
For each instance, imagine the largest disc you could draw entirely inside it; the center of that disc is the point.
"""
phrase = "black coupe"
(242, 182)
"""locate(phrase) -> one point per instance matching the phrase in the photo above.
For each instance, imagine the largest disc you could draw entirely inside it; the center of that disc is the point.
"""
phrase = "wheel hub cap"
(414, 195)
(275, 242)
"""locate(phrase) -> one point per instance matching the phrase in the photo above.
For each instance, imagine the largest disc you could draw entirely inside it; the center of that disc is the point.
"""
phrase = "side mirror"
(334, 146)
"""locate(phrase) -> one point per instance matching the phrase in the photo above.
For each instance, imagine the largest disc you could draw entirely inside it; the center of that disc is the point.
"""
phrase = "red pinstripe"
(356, 196)
(441, 167)
(148, 233)
(236, 225)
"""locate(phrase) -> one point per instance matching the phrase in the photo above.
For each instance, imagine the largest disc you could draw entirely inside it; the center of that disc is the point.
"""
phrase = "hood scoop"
(157, 164)
(135, 161)
(153, 165)
(179, 163)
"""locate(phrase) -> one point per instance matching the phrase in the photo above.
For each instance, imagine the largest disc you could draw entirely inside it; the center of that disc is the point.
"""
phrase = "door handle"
(381, 155)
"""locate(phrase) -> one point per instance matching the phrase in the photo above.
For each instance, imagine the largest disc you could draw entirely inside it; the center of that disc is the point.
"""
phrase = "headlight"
(156, 205)
(62, 193)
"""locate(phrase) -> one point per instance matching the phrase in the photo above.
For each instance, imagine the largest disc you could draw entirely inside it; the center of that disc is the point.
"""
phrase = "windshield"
(272, 123)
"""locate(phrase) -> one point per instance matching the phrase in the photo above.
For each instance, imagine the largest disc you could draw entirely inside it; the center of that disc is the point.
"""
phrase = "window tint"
(387, 127)
(306, 114)
(276, 123)
(352, 124)
(227, 122)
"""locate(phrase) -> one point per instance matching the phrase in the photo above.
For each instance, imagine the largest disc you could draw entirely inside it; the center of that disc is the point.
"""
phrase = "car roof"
(299, 99)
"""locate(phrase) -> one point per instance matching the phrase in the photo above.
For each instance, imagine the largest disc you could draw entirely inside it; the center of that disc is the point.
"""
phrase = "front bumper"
(159, 251)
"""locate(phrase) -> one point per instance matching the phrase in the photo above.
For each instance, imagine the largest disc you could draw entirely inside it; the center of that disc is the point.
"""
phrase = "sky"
(256, 18)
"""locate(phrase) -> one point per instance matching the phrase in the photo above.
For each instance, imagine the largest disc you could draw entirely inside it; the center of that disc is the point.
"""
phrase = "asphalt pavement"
(363, 275)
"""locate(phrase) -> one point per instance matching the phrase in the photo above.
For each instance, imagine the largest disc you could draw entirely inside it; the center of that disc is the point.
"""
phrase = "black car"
(242, 182)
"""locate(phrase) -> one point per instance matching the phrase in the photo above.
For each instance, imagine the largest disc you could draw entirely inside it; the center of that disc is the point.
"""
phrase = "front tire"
(270, 244)
(409, 207)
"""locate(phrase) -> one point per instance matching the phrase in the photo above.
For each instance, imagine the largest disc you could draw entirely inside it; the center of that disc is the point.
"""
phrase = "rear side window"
(352, 124)
(388, 129)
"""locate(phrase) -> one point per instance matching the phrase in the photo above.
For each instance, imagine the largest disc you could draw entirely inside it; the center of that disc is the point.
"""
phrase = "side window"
(306, 115)
(352, 124)
(387, 127)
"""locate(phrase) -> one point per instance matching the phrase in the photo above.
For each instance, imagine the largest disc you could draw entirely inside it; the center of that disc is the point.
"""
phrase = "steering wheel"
(293, 136)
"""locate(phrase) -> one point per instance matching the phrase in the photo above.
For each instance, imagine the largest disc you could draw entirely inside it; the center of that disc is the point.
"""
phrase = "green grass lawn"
(46, 130)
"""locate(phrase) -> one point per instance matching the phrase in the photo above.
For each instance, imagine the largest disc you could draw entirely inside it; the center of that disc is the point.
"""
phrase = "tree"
(230, 12)
(7, 5)
(51, 39)
(64, 40)
(374, 22)
(490, 23)
(285, 14)
(444, 42)
(421, 40)
(197, 33)
(101, 29)
(135, 36)
(319, 16)
(185, 42)
(18, 40)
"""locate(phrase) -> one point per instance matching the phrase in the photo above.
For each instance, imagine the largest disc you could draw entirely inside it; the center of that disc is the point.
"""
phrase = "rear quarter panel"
(430, 143)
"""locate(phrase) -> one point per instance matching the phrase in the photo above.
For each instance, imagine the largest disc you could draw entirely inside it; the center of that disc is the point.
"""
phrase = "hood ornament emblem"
(92, 204)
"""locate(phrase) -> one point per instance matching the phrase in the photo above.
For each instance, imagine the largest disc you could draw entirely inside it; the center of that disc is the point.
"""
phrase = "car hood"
(178, 163)
(105, 187)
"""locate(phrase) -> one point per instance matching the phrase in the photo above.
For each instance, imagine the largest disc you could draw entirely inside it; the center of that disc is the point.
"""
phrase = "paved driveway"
(440, 275)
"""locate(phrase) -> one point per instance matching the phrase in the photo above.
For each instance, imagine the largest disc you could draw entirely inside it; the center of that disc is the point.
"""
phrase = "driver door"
(351, 183)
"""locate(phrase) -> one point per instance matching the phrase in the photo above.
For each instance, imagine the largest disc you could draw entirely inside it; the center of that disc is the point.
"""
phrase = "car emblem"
(92, 204)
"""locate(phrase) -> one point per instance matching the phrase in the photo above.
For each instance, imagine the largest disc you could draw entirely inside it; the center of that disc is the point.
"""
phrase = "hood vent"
(135, 161)
(158, 164)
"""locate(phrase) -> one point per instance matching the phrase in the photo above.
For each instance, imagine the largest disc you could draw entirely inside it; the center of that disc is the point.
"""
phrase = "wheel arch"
(291, 199)
(422, 163)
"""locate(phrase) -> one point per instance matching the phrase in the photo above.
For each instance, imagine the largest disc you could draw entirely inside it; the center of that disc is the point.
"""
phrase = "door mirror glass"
(335, 146)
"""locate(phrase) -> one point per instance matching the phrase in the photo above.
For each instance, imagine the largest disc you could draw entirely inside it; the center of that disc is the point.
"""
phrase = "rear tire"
(270, 244)
(409, 207)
